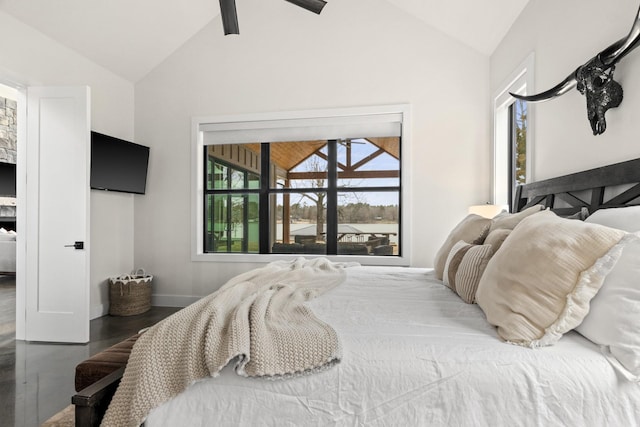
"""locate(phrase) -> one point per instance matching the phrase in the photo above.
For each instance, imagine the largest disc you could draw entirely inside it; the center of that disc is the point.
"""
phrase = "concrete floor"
(37, 379)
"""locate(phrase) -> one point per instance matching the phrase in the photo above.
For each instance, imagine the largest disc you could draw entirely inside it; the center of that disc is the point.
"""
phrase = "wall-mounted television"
(118, 165)
(7, 180)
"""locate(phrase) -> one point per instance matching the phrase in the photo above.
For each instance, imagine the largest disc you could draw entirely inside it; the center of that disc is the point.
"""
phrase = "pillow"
(627, 218)
(539, 284)
(464, 267)
(509, 221)
(3, 230)
(496, 238)
(614, 316)
(472, 229)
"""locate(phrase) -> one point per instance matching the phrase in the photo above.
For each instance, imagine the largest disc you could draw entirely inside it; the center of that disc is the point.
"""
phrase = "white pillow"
(3, 230)
(627, 218)
(614, 315)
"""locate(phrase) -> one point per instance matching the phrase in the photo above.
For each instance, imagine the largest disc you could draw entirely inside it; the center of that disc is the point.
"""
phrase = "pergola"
(286, 156)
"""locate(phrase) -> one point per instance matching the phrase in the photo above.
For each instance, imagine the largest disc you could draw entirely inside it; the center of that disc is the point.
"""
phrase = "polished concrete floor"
(36, 379)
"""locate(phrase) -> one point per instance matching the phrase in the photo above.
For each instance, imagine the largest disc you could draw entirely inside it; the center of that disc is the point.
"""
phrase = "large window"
(327, 197)
(326, 182)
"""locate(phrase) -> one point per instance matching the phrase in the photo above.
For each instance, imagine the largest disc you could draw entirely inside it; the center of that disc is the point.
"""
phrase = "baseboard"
(98, 310)
(172, 300)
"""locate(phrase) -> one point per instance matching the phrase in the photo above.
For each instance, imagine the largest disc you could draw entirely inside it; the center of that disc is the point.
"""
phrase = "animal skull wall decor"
(594, 79)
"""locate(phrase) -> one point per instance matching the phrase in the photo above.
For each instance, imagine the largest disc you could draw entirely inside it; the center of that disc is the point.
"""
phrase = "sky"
(360, 149)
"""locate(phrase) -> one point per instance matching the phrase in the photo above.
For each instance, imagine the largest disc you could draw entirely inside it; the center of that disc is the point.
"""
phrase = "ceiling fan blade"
(229, 17)
(314, 6)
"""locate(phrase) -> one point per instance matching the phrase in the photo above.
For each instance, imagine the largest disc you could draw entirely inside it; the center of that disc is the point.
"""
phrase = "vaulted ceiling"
(131, 37)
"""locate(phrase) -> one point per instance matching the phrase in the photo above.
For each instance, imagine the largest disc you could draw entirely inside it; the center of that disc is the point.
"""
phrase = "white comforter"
(414, 354)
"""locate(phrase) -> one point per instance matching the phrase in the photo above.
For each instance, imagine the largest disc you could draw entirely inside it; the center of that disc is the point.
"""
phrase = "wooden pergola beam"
(345, 175)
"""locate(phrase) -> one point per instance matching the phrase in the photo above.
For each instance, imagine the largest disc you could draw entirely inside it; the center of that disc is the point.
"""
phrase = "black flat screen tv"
(7, 180)
(118, 165)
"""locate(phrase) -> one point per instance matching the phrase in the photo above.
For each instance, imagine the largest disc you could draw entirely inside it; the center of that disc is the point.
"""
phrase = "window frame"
(513, 148)
(521, 81)
(236, 122)
(230, 193)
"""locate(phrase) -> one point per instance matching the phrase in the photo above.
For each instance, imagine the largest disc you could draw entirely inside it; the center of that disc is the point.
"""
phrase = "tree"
(314, 164)
(521, 142)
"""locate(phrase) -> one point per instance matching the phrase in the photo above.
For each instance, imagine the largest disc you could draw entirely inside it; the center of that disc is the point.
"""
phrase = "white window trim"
(197, 184)
(521, 82)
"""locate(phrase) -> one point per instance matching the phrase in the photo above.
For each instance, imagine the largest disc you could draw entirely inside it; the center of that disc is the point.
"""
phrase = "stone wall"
(8, 131)
(8, 149)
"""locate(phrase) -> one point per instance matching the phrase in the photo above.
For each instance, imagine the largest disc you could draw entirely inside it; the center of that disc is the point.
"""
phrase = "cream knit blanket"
(258, 318)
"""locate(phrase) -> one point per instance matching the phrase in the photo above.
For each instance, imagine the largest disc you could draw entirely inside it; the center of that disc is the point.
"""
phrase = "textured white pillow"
(538, 285)
(614, 317)
(627, 218)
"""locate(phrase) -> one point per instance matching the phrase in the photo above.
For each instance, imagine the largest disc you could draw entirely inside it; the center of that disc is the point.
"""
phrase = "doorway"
(8, 208)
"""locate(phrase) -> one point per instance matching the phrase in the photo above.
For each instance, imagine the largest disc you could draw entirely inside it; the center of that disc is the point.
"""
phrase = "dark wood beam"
(324, 157)
(367, 159)
(345, 175)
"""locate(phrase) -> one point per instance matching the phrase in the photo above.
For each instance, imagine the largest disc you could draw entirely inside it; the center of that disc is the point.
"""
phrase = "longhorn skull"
(594, 79)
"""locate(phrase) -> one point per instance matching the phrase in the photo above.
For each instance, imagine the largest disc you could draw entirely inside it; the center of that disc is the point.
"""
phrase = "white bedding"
(414, 354)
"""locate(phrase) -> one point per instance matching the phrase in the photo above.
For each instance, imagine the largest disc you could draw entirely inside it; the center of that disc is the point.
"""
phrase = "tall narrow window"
(512, 133)
(517, 146)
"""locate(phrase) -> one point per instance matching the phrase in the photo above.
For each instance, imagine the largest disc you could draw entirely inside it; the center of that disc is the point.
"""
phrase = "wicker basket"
(130, 294)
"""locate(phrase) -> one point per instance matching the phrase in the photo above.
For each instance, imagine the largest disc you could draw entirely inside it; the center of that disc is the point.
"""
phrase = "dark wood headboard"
(592, 182)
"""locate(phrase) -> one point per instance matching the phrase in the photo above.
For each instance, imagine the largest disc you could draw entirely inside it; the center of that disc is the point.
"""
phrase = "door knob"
(76, 245)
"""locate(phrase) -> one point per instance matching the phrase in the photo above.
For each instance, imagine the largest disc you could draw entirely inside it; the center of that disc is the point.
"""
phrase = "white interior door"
(57, 214)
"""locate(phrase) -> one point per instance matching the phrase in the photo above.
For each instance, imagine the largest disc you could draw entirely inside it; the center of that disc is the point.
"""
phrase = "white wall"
(357, 53)
(29, 58)
(565, 35)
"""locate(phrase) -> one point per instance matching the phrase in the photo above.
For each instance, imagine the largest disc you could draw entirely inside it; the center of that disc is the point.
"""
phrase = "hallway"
(37, 379)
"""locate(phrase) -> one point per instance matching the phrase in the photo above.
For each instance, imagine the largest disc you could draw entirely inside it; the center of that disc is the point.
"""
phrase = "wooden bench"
(96, 381)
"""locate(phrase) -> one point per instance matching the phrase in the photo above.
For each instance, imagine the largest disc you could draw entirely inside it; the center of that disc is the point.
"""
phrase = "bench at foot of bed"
(96, 381)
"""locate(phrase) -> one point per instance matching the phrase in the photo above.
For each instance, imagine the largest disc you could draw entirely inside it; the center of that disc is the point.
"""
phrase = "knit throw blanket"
(258, 318)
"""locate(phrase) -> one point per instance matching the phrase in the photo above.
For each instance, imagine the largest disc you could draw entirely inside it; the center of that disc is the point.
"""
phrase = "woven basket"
(130, 294)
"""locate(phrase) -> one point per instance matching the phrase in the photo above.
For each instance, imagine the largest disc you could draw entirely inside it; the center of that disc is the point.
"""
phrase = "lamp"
(487, 210)
(314, 6)
(229, 17)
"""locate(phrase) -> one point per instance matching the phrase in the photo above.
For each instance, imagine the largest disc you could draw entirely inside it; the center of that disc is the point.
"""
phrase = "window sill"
(402, 261)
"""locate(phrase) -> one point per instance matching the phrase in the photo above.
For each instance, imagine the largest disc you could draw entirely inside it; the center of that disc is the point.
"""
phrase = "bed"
(424, 347)
(414, 354)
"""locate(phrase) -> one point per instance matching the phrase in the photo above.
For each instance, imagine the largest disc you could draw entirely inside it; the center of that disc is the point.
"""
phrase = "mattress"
(414, 354)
